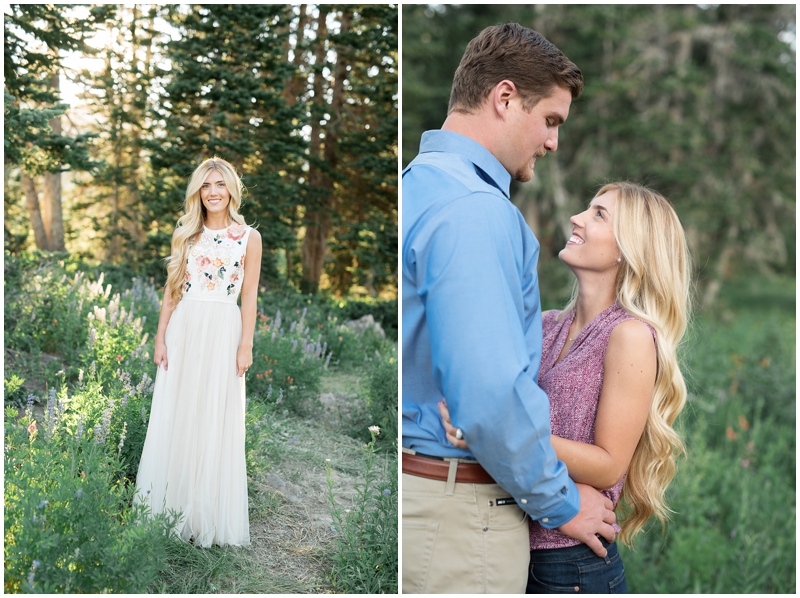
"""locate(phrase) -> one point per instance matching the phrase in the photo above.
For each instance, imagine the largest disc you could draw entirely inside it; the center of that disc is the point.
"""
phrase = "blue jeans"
(576, 570)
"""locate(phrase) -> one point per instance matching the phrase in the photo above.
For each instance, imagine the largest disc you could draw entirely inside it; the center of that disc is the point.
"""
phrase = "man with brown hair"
(472, 329)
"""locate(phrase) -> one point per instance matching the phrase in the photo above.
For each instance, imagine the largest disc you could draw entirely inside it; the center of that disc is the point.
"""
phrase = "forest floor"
(291, 526)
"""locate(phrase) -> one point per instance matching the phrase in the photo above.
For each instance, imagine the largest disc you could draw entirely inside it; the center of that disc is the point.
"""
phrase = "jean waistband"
(571, 553)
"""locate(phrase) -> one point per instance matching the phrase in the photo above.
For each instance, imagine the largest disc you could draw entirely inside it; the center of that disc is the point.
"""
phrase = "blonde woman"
(193, 459)
(610, 370)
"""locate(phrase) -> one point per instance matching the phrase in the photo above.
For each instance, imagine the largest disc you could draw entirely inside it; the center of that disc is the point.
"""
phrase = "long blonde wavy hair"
(653, 284)
(190, 225)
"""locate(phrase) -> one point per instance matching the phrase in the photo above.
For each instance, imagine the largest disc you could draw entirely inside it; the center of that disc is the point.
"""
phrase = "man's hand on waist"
(595, 517)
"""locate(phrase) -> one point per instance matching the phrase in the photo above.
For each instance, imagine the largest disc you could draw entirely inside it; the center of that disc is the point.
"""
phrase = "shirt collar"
(455, 143)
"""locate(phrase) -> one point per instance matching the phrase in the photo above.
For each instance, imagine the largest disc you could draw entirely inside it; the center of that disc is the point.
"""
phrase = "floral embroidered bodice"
(215, 266)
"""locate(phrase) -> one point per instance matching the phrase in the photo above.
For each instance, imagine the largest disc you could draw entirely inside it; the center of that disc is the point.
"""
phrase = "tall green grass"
(733, 530)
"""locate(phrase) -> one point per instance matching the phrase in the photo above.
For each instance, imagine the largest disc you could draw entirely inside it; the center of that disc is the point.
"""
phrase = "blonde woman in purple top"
(610, 369)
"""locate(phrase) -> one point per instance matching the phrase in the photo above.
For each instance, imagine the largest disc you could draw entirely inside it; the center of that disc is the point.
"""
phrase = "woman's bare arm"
(167, 307)
(629, 378)
(252, 272)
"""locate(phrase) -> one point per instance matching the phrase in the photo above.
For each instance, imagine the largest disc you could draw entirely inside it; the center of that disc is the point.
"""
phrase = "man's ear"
(502, 94)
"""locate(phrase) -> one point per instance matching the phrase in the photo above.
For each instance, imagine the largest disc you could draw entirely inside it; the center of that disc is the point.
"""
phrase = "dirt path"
(291, 527)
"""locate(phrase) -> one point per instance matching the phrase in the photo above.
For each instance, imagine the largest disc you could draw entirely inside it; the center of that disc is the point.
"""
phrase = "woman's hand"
(160, 353)
(244, 359)
(449, 428)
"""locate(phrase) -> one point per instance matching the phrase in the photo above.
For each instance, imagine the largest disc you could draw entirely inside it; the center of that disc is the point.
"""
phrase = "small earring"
(619, 259)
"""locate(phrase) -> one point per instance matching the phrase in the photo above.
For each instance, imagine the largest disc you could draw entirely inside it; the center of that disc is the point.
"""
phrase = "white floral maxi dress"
(193, 459)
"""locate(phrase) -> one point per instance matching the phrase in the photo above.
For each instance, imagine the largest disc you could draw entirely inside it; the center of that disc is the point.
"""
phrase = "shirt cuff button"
(545, 519)
(524, 501)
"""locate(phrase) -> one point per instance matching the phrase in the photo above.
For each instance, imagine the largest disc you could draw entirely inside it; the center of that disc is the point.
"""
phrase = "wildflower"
(327, 460)
(119, 357)
(80, 376)
(328, 359)
(259, 376)
(98, 434)
(122, 435)
(43, 504)
(144, 417)
(36, 564)
(32, 428)
(746, 463)
(375, 430)
(80, 432)
(269, 391)
(79, 494)
(730, 433)
(743, 423)
(387, 492)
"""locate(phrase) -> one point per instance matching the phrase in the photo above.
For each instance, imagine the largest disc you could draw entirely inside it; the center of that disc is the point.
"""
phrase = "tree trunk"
(319, 219)
(32, 201)
(54, 224)
(316, 216)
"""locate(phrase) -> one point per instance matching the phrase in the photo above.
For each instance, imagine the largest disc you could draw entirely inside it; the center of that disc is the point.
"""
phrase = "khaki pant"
(462, 543)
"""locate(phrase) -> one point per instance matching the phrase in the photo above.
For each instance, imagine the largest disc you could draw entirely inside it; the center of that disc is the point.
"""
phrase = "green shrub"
(69, 523)
(13, 391)
(45, 307)
(288, 362)
(382, 401)
(366, 555)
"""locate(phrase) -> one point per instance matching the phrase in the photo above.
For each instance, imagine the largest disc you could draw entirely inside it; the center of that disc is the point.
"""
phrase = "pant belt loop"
(450, 488)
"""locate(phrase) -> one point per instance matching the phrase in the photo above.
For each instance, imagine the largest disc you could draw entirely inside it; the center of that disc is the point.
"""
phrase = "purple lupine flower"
(122, 436)
(98, 434)
(387, 492)
(293, 326)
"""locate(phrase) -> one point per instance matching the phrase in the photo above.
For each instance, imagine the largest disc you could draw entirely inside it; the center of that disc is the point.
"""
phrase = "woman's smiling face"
(592, 245)
(214, 193)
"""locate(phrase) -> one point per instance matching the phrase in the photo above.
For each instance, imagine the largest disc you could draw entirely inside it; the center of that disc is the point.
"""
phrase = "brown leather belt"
(426, 467)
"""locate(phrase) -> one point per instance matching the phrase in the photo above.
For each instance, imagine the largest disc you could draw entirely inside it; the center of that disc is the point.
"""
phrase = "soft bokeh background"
(699, 103)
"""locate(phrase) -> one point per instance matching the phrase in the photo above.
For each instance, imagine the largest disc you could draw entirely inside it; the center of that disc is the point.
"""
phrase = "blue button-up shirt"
(472, 325)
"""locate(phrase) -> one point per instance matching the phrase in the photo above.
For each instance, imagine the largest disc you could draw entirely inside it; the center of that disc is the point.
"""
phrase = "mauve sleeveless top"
(573, 386)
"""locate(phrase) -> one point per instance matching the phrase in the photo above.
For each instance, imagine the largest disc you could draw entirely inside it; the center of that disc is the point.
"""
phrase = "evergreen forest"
(302, 100)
